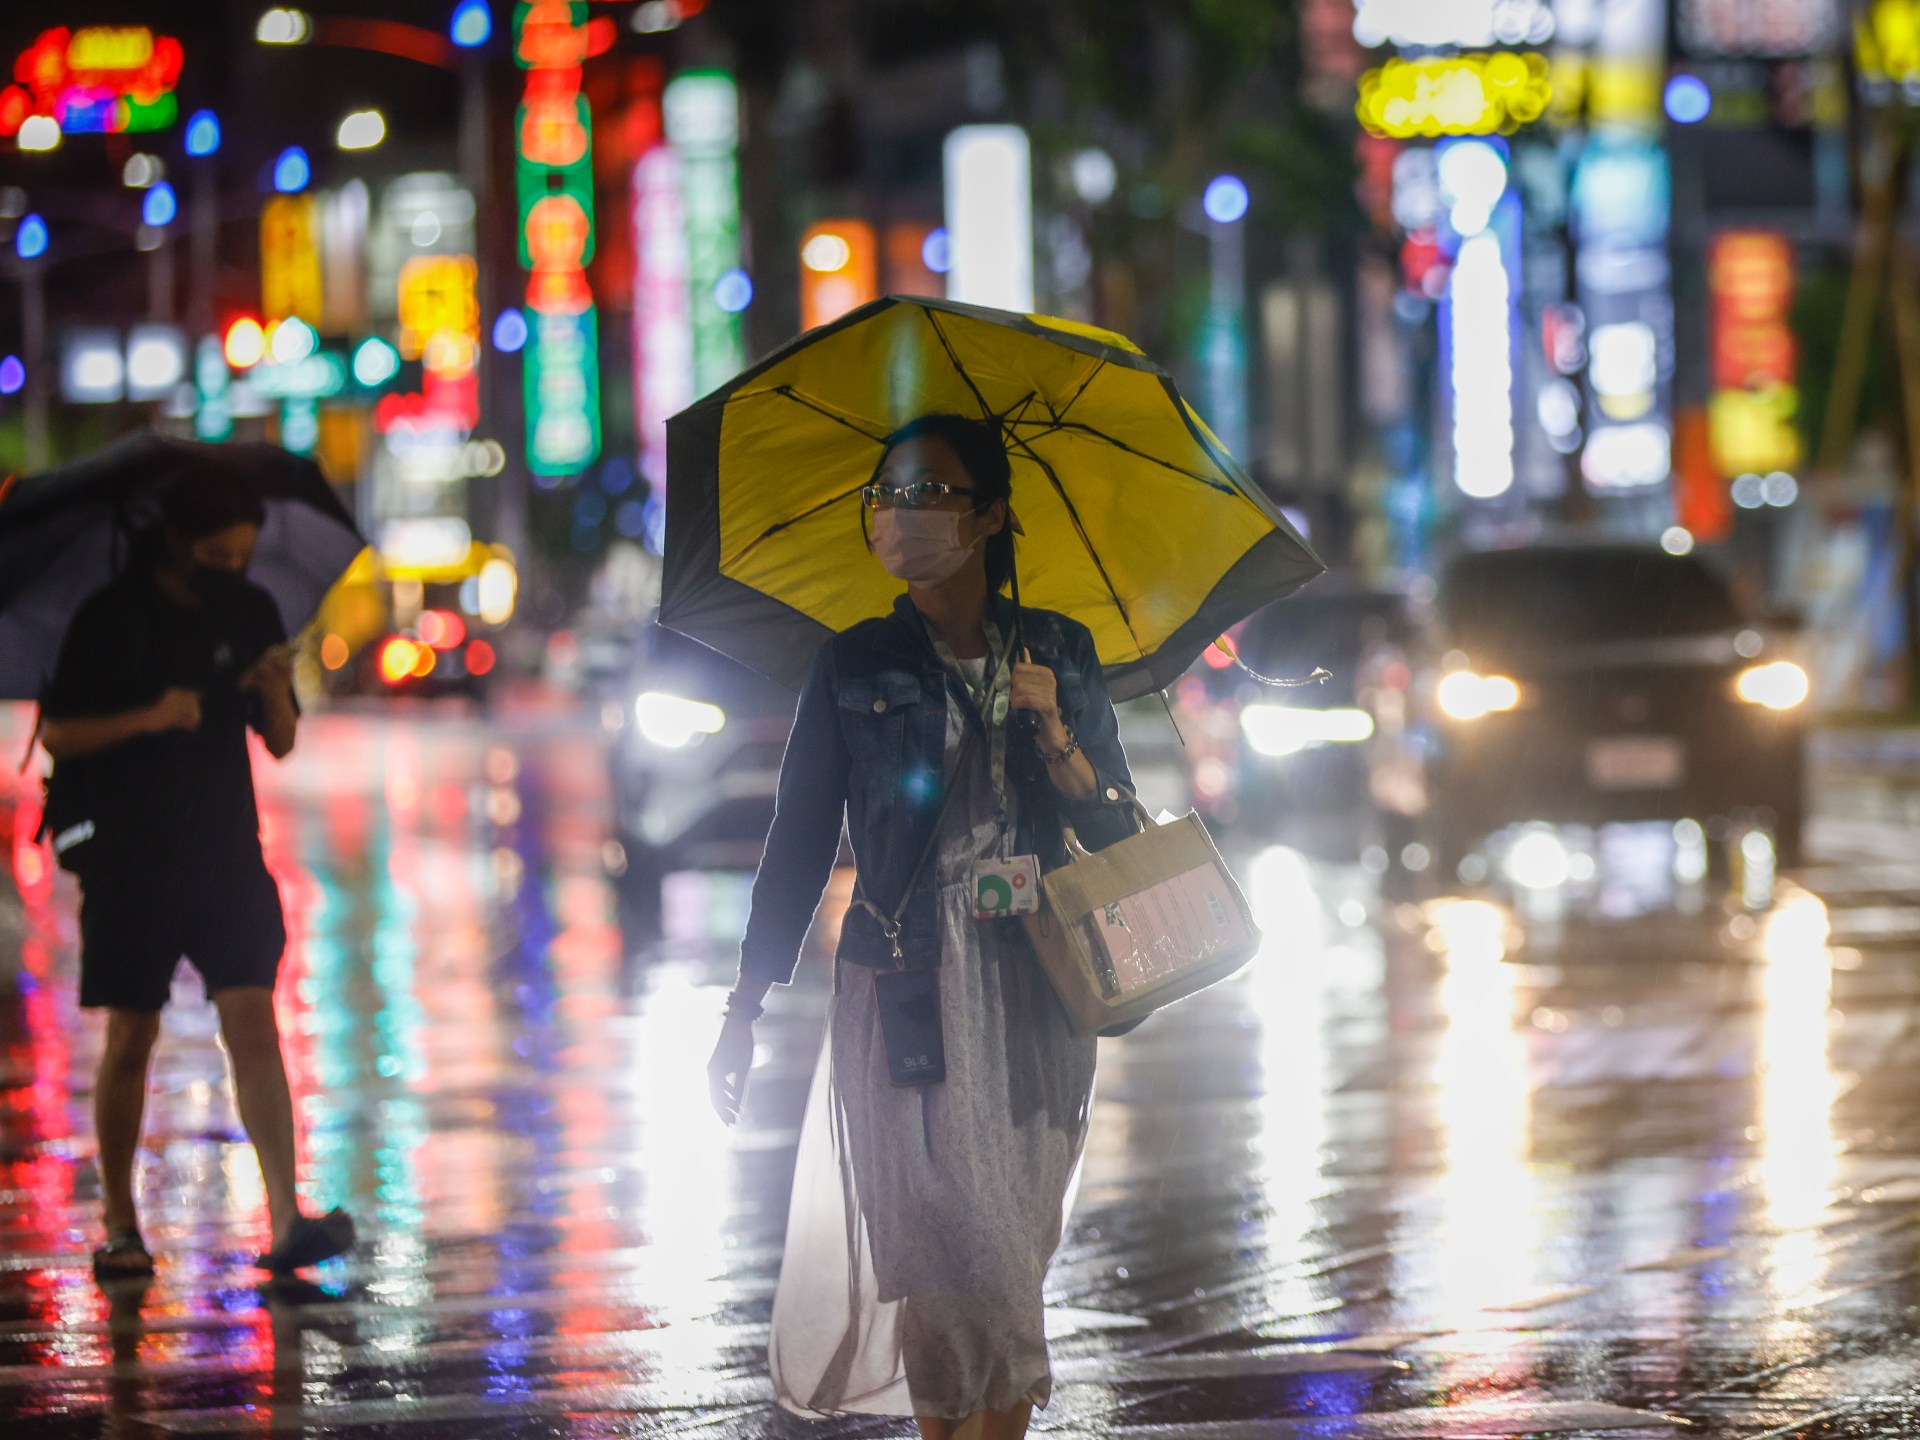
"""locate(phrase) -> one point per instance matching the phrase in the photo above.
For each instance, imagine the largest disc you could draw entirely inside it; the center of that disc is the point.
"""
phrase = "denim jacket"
(868, 743)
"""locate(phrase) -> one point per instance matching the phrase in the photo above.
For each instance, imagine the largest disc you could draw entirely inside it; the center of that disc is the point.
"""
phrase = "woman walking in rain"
(961, 737)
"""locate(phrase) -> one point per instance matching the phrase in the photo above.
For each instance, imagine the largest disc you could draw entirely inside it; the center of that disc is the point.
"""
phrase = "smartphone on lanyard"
(909, 1006)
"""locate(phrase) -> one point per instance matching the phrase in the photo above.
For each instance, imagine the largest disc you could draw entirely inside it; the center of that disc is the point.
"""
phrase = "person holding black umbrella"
(160, 676)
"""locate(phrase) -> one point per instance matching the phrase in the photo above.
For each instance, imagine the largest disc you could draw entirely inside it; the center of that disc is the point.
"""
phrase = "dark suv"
(1587, 684)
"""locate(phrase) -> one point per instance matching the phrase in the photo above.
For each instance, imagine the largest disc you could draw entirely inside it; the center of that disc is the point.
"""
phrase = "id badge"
(909, 1006)
(1006, 887)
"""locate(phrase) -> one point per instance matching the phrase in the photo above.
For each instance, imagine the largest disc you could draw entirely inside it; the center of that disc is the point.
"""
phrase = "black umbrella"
(65, 533)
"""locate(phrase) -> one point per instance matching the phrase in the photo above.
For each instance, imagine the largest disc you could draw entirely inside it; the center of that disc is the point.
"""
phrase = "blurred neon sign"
(701, 109)
(554, 179)
(662, 329)
(1778, 28)
(439, 312)
(839, 270)
(1886, 42)
(1454, 95)
(1480, 343)
(1755, 361)
(289, 259)
(1452, 22)
(101, 80)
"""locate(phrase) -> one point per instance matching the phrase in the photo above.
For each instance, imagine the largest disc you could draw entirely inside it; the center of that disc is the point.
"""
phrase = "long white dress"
(923, 1219)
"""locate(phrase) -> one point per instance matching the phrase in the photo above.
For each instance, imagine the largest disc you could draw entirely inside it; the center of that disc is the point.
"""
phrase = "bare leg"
(260, 1086)
(981, 1425)
(119, 1103)
(995, 1424)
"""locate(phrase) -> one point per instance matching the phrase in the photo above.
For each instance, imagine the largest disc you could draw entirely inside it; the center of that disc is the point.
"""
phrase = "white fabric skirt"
(923, 1219)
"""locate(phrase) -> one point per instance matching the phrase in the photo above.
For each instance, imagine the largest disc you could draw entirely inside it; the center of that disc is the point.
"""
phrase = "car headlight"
(1778, 685)
(1464, 695)
(673, 722)
(1275, 730)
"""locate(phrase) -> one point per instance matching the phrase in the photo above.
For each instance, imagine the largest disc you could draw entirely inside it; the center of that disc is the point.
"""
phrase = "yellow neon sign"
(1454, 95)
(1886, 41)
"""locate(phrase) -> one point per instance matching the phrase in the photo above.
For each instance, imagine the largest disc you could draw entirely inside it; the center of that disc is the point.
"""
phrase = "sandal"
(309, 1242)
(124, 1255)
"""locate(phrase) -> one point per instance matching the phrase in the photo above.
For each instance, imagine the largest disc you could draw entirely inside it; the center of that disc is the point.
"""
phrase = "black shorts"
(134, 931)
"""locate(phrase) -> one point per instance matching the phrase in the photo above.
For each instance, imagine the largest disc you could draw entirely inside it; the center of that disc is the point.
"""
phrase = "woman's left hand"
(1036, 689)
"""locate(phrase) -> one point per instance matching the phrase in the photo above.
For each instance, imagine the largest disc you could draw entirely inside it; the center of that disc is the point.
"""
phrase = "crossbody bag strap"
(890, 923)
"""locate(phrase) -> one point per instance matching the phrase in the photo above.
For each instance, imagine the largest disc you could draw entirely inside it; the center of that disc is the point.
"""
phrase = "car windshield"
(1528, 599)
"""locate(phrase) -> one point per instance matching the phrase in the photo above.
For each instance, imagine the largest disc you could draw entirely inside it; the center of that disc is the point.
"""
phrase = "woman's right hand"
(727, 1070)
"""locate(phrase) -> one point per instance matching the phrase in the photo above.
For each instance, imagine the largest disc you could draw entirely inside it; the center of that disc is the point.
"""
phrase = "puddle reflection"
(1799, 1157)
(1488, 1253)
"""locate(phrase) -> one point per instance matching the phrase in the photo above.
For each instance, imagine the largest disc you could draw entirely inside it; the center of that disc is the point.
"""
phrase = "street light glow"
(1688, 100)
(141, 170)
(30, 240)
(13, 375)
(655, 17)
(1225, 200)
(826, 253)
(733, 291)
(936, 251)
(509, 331)
(292, 171)
(281, 26)
(375, 362)
(362, 130)
(246, 343)
(472, 24)
(293, 341)
(203, 133)
(39, 132)
(160, 206)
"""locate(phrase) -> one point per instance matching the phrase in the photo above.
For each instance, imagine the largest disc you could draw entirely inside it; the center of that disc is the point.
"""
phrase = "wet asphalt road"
(1421, 1172)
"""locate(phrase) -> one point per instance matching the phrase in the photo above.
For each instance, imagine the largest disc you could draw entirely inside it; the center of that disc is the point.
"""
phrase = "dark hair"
(199, 504)
(982, 449)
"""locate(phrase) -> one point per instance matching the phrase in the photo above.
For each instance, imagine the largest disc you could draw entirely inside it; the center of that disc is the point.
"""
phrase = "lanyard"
(990, 702)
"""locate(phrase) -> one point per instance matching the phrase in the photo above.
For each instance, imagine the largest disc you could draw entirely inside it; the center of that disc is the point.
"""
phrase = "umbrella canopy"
(63, 535)
(1137, 521)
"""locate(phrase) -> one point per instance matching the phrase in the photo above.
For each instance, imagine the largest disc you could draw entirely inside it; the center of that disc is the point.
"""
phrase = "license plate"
(1636, 762)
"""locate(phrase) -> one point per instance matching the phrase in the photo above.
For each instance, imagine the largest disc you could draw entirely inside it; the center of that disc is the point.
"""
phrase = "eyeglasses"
(920, 495)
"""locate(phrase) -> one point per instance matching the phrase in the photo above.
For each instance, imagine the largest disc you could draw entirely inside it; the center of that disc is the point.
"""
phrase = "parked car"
(695, 763)
(1595, 683)
(1307, 764)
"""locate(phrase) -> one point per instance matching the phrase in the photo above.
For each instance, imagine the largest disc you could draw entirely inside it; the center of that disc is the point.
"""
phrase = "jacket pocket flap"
(878, 694)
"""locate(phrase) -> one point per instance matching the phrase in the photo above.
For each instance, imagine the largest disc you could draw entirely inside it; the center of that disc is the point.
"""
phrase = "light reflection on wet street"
(1422, 1171)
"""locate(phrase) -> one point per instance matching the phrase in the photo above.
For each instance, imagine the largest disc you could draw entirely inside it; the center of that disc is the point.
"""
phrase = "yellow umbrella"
(1137, 522)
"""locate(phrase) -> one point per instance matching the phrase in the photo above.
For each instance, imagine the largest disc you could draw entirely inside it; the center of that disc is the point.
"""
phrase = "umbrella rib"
(1023, 404)
(1060, 415)
(986, 410)
(817, 406)
(779, 525)
(1077, 428)
(1073, 514)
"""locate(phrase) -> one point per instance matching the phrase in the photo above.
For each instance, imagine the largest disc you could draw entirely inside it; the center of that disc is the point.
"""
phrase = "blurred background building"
(1444, 274)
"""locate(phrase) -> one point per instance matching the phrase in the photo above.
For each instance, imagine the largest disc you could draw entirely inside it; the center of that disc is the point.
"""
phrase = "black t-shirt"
(179, 797)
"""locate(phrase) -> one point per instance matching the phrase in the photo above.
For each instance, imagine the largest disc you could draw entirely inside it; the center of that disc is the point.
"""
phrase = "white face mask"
(921, 547)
